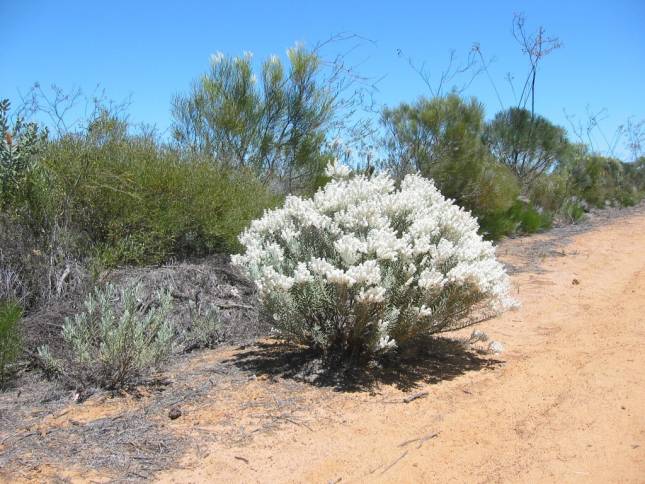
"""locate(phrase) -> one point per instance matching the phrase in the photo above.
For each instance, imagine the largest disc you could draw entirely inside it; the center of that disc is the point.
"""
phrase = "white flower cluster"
(337, 170)
(396, 262)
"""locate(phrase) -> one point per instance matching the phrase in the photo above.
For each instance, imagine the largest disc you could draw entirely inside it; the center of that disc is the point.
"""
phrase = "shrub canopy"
(273, 123)
(528, 144)
(441, 138)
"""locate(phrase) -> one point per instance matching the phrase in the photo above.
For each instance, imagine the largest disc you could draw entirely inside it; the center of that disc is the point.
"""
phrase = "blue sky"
(152, 50)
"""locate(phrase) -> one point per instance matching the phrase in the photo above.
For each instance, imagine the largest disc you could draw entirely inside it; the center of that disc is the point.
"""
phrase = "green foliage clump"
(138, 203)
(442, 139)
(18, 147)
(205, 329)
(551, 190)
(521, 218)
(635, 175)
(571, 210)
(599, 180)
(273, 123)
(10, 338)
(528, 219)
(528, 144)
(116, 340)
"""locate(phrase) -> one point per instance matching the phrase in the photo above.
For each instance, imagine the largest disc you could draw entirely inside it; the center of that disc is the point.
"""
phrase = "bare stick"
(420, 440)
(394, 463)
(411, 398)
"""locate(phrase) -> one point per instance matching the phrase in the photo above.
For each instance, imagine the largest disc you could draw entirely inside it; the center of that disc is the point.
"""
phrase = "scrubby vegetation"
(107, 194)
(136, 202)
(10, 339)
(118, 338)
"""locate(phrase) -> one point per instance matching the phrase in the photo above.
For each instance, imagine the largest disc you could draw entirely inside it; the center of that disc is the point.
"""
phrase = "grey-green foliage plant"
(273, 122)
(442, 139)
(18, 146)
(117, 339)
(528, 144)
(205, 329)
(10, 338)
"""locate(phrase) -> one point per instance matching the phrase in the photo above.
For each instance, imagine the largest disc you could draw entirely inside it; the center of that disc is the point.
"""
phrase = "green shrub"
(10, 340)
(521, 218)
(550, 191)
(527, 143)
(116, 340)
(495, 225)
(275, 125)
(598, 180)
(571, 210)
(627, 199)
(138, 203)
(442, 139)
(18, 146)
(529, 219)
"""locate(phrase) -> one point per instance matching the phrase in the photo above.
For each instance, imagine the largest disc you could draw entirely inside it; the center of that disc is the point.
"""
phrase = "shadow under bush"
(430, 360)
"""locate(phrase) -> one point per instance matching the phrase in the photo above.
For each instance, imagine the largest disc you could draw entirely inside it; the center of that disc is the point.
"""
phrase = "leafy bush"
(10, 339)
(599, 180)
(521, 218)
(18, 146)
(274, 123)
(116, 340)
(528, 144)
(138, 203)
(550, 191)
(529, 219)
(495, 225)
(571, 210)
(364, 267)
(441, 138)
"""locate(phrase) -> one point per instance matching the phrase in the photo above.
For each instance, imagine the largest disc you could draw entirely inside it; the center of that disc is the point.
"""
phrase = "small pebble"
(174, 413)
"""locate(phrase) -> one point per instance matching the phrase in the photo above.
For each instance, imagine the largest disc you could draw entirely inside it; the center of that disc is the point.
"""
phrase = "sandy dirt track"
(565, 402)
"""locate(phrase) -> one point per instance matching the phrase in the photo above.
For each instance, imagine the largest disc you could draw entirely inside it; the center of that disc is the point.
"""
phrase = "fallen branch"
(61, 281)
(394, 463)
(421, 440)
(411, 398)
(295, 422)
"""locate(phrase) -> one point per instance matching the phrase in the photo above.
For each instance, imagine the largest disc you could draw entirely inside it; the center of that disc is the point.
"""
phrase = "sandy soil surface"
(566, 404)
(565, 401)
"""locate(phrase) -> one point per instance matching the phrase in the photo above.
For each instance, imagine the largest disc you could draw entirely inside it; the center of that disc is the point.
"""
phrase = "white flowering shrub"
(366, 266)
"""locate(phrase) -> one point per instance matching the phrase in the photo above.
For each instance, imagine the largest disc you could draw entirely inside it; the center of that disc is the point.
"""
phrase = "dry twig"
(416, 396)
(420, 440)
